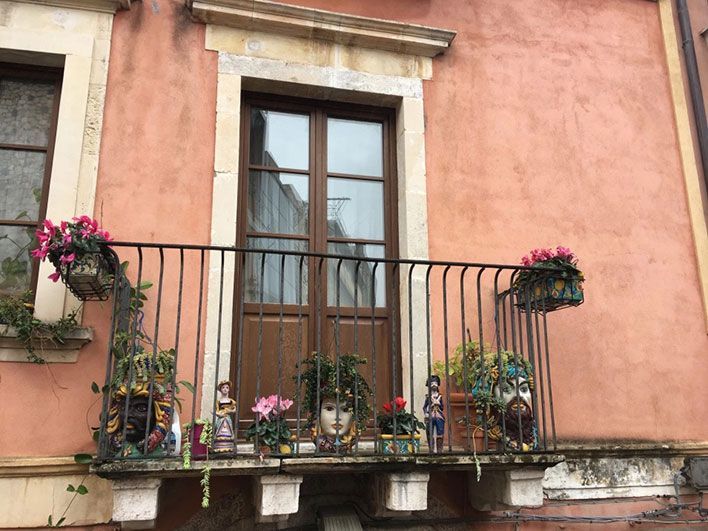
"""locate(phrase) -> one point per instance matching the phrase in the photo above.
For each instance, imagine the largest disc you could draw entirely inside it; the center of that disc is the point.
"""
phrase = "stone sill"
(172, 467)
(11, 349)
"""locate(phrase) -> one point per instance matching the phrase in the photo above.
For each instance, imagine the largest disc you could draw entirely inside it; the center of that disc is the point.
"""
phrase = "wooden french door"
(320, 178)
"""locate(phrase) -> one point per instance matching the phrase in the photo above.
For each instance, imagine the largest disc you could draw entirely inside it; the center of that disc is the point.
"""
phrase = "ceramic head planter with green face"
(336, 398)
(505, 400)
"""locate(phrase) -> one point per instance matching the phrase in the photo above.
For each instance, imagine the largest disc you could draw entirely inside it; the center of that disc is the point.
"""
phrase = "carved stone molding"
(103, 6)
(296, 21)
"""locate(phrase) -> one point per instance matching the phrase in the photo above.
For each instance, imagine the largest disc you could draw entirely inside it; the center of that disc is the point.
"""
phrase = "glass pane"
(15, 260)
(355, 209)
(280, 139)
(272, 271)
(21, 177)
(352, 282)
(277, 202)
(354, 147)
(25, 111)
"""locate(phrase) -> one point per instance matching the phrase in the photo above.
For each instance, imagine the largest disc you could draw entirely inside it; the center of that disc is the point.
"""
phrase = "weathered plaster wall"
(558, 122)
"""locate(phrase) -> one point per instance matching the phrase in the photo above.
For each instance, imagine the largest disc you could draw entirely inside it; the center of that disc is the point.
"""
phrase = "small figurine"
(434, 417)
(223, 425)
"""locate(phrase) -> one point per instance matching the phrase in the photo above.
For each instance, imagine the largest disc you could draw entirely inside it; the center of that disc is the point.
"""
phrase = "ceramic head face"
(138, 417)
(335, 419)
(225, 389)
(509, 395)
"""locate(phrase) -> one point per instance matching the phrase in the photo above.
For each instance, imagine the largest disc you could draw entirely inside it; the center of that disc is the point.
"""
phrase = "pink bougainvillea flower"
(54, 276)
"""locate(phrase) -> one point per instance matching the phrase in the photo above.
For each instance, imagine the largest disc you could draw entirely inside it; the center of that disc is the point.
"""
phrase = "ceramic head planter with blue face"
(507, 400)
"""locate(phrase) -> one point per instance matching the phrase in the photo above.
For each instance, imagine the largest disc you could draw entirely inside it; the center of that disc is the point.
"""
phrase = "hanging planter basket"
(89, 278)
(550, 293)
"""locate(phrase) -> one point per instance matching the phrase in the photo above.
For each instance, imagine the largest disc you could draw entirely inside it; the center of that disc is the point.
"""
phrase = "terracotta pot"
(458, 410)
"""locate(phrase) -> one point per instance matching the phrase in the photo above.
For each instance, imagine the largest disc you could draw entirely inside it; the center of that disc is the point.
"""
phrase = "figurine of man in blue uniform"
(433, 411)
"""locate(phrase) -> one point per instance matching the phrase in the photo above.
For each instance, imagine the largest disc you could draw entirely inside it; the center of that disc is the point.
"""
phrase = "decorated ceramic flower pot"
(399, 444)
(89, 277)
(552, 293)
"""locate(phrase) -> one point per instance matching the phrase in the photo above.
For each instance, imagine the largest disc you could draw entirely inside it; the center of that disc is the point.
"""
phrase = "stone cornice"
(103, 6)
(286, 19)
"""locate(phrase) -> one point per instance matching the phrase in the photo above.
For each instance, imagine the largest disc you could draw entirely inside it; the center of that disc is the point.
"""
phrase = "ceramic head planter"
(506, 399)
(141, 418)
(140, 403)
(337, 401)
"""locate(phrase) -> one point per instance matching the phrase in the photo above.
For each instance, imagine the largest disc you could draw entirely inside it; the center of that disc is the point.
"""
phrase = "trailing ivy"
(34, 334)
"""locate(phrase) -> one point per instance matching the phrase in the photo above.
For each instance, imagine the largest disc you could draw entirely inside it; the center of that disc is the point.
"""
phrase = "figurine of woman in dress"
(224, 425)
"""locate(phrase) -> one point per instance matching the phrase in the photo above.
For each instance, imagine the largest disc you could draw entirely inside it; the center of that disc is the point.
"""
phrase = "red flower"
(398, 403)
(387, 407)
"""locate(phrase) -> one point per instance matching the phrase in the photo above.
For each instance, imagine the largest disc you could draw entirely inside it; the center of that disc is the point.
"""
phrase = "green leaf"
(81, 489)
(49, 521)
(96, 435)
(95, 388)
(61, 521)
(188, 385)
(83, 459)
(145, 284)
(70, 488)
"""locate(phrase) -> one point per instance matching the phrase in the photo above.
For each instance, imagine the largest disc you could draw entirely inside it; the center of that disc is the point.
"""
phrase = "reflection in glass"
(15, 259)
(272, 271)
(280, 139)
(349, 277)
(25, 111)
(277, 202)
(21, 178)
(355, 209)
(354, 147)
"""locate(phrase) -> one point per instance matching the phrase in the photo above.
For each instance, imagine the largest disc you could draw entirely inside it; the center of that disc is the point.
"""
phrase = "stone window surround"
(279, 62)
(35, 34)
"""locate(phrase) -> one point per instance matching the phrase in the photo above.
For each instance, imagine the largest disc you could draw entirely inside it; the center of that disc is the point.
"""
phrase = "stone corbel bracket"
(296, 21)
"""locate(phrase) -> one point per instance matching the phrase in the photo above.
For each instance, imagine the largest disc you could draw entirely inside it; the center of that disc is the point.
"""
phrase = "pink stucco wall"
(558, 124)
(154, 184)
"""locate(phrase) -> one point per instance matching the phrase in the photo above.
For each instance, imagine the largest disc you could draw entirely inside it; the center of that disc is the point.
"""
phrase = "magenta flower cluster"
(272, 407)
(68, 241)
(546, 255)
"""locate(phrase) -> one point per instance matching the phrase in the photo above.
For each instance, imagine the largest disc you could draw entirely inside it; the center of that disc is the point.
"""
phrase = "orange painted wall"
(558, 124)
(154, 184)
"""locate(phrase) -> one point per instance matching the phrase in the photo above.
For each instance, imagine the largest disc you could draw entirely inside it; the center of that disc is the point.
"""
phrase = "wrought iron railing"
(285, 323)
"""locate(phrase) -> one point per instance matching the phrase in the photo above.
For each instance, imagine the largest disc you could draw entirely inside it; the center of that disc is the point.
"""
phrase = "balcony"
(347, 347)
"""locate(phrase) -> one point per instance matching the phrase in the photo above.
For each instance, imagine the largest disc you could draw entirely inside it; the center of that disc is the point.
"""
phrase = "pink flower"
(262, 408)
(67, 259)
(55, 276)
(40, 253)
(49, 228)
(526, 261)
(67, 239)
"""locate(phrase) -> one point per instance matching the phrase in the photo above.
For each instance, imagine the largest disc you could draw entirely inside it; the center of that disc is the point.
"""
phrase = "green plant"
(79, 490)
(562, 258)
(33, 333)
(205, 438)
(459, 364)
(406, 423)
(350, 388)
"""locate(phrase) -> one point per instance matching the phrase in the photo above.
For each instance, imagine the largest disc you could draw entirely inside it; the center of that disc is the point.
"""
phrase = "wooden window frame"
(317, 236)
(31, 72)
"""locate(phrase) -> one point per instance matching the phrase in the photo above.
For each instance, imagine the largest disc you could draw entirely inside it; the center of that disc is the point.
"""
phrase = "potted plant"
(461, 380)
(336, 398)
(77, 250)
(401, 436)
(550, 290)
(271, 430)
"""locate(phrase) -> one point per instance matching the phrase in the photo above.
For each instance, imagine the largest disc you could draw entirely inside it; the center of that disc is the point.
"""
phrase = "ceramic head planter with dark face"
(337, 413)
(144, 415)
